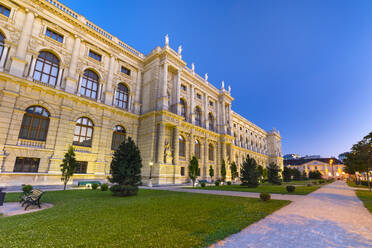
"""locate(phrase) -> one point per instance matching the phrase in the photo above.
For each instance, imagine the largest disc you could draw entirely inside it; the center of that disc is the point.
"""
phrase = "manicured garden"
(92, 218)
(265, 187)
(366, 197)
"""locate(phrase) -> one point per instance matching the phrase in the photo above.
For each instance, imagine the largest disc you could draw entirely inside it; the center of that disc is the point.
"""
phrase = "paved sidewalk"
(228, 193)
(332, 216)
(15, 208)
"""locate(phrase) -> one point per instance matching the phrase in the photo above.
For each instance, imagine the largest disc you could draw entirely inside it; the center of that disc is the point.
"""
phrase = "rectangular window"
(26, 164)
(198, 96)
(182, 171)
(4, 11)
(81, 167)
(54, 35)
(125, 70)
(95, 55)
(183, 87)
(210, 103)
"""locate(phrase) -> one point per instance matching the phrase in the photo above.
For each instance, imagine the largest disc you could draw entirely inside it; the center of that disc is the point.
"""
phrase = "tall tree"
(223, 171)
(193, 169)
(126, 167)
(68, 166)
(296, 174)
(264, 174)
(211, 172)
(234, 171)
(248, 172)
(273, 173)
(260, 172)
(304, 175)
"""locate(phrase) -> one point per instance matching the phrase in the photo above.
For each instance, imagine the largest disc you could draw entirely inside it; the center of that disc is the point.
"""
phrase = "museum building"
(65, 81)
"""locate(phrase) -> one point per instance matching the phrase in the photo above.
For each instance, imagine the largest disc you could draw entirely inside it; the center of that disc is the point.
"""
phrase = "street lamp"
(331, 164)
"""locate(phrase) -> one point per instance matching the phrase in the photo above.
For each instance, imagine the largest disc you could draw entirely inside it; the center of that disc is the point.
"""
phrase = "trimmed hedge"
(123, 190)
(290, 188)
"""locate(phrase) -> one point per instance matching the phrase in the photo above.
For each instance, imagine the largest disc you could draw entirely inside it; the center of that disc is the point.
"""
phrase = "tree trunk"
(64, 186)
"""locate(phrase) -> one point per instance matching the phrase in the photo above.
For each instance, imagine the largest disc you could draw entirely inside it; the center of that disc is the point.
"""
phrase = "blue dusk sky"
(303, 67)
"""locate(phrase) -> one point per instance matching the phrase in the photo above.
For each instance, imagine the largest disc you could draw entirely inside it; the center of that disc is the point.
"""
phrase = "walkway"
(332, 216)
(228, 193)
(15, 208)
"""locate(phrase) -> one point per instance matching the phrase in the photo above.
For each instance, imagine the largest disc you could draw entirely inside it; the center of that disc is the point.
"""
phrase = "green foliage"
(211, 172)
(260, 172)
(315, 175)
(234, 171)
(202, 184)
(193, 169)
(290, 188)
(273, 174)
(104, 187)
(248, 172)
(287, 174)
(265, 196)
(223, 171)
(309, 185)
(94, 186)
(296, 173)
(126, 167)
(228, 182)
(304, 175)
(68, 166)
(264, 174)
(217, 183)
(27, 189)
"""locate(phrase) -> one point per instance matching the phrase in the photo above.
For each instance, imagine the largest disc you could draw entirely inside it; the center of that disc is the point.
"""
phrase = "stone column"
(3, 57)
(32, 68)
(176, 145)
(178, 94)
(192, 105)
(71, 79)
(19, 60)
(206, 159)
(137, 102)
(161, 140)
(59, 79)
(230, 120)
(163, 97)
(108, 90)
(223, 124)
(218, 116)
(206, 110)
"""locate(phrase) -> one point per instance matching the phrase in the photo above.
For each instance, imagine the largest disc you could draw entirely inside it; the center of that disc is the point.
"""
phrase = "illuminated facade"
(328, 167)
(65, 81)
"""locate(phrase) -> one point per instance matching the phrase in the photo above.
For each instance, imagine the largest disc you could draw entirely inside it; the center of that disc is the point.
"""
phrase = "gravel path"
(332, 216)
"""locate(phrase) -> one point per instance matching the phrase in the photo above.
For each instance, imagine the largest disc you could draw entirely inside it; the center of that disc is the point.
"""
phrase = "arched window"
(89, 84)
(83, 132)
(183, 108)
(35, 124)
(182, 146)
(1, 44)
(198, 121)
(122, 96)
(46, 68)
(118, 136)
(211, 152)
(197, 149)
(211, 121)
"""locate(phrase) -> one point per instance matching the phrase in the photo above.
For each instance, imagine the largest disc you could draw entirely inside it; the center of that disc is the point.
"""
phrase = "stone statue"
(206, 77)
(167, 153)
(166, 40)
(192, 67)
(223, 85)
(229, 88)
(179, 50)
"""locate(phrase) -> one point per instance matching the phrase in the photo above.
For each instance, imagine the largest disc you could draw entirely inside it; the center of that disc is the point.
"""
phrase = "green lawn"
(87, 218)
(352, 184)
(268, 188)
(366, 198)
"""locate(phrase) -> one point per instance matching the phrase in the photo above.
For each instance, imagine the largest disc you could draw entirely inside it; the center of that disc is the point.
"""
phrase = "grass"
(366, 198)
(267, 188)
(352, 184)
(88, 218)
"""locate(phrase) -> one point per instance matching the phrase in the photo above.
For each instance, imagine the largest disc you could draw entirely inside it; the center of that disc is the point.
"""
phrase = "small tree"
(223, 171)
(304, 175)
(126, 167)
(193, 169)
(211, 172)
(68, 166)
(287, 174)
(248, 172)
(260, 172)
(234, 171)
(264, 174)
(296, 174)
(273, 173)
(315, 174)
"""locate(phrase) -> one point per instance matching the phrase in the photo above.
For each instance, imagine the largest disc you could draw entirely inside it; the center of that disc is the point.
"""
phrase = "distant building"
(328, 167)
(311, 156)
(291, 156)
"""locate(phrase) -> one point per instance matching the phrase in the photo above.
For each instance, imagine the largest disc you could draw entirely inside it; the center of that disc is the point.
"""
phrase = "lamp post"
(331, 164)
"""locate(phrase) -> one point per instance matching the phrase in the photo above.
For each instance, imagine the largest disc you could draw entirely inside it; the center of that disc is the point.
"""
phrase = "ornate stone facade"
(56, 59)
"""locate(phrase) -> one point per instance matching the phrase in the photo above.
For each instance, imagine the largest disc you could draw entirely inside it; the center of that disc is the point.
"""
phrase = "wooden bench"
(32, 199)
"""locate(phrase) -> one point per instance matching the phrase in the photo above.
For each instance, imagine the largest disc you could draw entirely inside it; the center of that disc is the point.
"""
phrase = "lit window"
(95, 55)
(4, 11)
(125, 70)
(54, 35)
